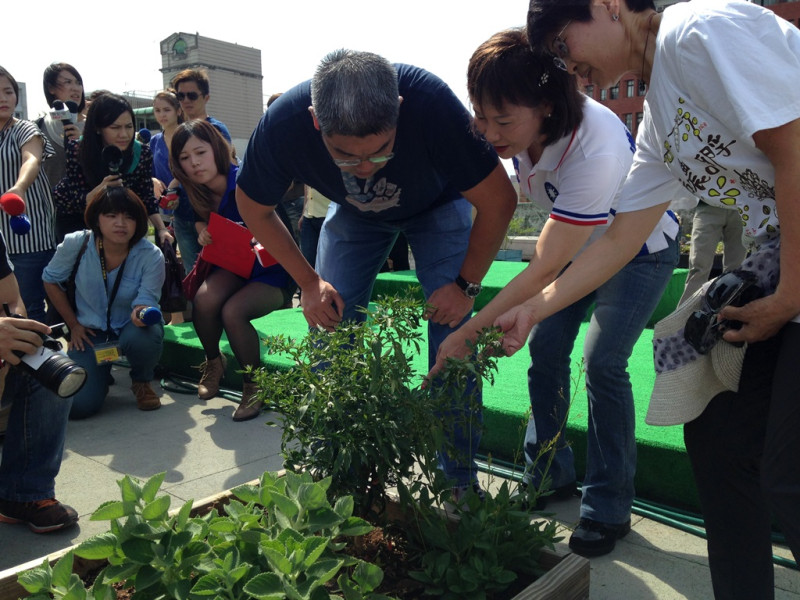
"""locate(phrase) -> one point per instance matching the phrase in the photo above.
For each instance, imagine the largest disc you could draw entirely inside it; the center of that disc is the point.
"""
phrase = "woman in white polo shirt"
(722, 119)
(572, 156)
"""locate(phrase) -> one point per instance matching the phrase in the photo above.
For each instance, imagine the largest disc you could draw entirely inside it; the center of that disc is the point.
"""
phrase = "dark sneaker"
(592, 538)
(41, 516)
(564, 492)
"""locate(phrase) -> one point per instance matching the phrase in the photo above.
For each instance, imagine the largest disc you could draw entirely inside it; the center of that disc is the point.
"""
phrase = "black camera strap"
(114, 289)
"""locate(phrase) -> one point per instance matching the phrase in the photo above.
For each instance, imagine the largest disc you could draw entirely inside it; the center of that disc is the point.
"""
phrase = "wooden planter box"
(567, 576)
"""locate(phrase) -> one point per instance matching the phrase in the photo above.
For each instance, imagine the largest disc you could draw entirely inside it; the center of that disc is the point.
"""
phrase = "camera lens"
(62, 375)
(54, 370)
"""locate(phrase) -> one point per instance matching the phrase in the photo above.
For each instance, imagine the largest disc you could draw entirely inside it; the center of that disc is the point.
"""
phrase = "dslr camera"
(49, 365)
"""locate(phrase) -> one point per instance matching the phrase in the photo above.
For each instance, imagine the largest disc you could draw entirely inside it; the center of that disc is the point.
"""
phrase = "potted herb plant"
(352, 410)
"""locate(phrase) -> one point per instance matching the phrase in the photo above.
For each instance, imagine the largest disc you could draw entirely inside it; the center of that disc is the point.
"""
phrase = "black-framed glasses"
(704, 328)
(354, 162)
(560, 49)
(181, 96)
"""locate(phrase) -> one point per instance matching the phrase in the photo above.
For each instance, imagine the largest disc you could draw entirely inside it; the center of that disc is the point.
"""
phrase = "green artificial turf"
(663, 471)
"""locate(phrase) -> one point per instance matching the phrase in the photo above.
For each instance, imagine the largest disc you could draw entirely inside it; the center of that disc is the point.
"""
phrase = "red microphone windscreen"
(12, 204)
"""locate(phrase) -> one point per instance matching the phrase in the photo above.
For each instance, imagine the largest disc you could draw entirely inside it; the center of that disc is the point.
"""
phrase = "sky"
(118, 48)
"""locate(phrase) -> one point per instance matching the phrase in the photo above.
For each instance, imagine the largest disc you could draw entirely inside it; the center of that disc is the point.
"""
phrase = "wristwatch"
(471, 290)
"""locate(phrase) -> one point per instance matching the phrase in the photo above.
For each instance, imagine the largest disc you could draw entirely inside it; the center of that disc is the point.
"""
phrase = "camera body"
(50, 366)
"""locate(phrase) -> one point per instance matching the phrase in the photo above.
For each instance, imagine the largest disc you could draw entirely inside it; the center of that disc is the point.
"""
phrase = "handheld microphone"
(150, 315)
(62, 112)
(14, 206)
(144, 135)
(66, 112)
(111, 156)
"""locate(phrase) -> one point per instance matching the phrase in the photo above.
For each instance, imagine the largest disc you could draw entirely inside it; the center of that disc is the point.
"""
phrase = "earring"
(615, 18)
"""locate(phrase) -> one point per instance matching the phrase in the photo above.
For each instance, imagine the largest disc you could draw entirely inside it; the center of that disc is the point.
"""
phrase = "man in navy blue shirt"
(394, 150)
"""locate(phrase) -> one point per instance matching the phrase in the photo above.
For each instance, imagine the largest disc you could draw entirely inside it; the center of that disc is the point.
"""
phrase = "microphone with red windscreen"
(14, 206)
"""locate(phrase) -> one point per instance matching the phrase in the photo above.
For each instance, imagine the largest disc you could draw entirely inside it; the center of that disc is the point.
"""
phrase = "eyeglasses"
(190, 95)
(704, 328)
(354, 162)
(560, 49)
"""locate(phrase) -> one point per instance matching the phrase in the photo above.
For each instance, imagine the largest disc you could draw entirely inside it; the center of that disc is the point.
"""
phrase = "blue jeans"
(624, 304)
(353, 248)
(140, 345)
(34, 441)
(186, 234)
(28, 269)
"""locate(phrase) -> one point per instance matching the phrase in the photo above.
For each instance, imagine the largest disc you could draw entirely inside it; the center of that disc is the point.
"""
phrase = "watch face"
(473, 289)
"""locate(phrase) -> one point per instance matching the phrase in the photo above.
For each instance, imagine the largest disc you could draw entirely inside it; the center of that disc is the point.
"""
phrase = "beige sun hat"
(686, 380)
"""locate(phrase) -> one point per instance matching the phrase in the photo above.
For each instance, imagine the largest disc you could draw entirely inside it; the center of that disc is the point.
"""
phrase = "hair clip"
(543, 79)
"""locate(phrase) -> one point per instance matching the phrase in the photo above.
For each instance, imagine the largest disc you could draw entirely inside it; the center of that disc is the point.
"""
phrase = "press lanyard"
(115, 289)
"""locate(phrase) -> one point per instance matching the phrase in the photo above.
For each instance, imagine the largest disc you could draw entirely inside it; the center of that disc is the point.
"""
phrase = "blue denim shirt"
(141, 282)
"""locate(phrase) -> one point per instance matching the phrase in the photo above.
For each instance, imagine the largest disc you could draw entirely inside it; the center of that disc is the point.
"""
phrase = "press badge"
(106, 352)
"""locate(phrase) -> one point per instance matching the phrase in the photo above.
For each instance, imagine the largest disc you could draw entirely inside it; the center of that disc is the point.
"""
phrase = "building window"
(639, 117)
(589, 91)
(604, 94)
(642, 88)
(614, 92)
(629, 90)
(629, 121)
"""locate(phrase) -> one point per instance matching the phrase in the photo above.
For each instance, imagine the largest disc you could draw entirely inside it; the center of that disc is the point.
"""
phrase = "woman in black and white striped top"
(23, 148)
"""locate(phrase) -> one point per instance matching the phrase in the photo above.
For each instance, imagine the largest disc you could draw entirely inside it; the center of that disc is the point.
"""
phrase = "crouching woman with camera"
(119, 276)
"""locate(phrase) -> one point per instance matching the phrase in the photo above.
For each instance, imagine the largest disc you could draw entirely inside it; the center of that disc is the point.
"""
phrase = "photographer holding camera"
(34, 441)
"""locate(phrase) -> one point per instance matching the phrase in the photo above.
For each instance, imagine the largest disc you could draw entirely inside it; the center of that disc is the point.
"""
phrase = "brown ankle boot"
(146, 398)
(250, 405)
(212, 372)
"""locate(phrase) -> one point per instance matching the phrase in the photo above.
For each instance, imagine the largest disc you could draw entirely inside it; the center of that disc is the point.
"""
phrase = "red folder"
(230, 247)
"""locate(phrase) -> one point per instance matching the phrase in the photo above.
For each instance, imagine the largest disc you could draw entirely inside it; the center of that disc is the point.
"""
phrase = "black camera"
(704, 328)
(50, 366)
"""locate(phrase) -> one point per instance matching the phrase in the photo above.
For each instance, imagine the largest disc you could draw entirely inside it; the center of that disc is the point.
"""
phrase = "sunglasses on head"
(190, 95)
(704, 328)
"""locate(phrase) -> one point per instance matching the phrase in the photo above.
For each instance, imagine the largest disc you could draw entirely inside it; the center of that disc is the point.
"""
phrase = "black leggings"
(226, 301)
(745, 454)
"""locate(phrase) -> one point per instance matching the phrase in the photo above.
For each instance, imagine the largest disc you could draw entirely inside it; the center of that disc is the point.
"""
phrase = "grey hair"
(355, 93)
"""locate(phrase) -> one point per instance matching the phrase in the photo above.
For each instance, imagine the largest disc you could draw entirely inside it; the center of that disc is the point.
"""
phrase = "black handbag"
(172, 297)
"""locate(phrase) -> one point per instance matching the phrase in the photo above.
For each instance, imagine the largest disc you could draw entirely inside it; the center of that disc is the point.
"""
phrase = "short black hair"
(505, 69)
(50, 79)
(117, 199)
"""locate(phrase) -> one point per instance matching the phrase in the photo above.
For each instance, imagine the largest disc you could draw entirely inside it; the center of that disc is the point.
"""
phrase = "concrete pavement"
(204, 452)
